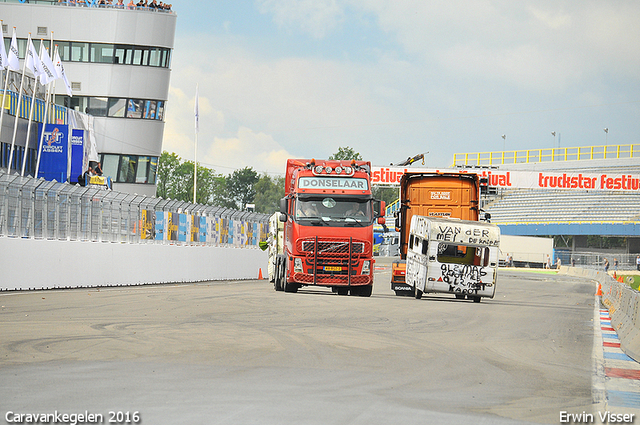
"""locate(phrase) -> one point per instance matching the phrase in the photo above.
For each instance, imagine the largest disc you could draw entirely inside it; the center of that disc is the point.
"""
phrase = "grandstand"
(576, 212)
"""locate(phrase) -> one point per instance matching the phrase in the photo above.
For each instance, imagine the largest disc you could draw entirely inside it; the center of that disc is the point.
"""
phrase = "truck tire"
(363, 291)
(341, 290)
(278, 276)
(288, 286)
(476, 299)
(417, 293)
(460, 296)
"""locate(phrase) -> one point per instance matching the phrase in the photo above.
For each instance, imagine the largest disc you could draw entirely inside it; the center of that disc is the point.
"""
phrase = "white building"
(118, 62)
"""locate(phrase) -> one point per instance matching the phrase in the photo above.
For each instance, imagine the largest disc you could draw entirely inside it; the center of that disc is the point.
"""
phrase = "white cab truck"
(276, 243)
(452, 256)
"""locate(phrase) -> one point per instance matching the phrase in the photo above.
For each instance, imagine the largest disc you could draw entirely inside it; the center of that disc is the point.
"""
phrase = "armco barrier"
(623, 304)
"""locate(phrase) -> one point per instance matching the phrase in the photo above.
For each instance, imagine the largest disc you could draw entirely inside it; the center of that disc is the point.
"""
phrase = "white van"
(447, 255)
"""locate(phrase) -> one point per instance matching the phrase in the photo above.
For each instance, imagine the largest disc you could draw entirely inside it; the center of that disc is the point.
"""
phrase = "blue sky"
(391, 79)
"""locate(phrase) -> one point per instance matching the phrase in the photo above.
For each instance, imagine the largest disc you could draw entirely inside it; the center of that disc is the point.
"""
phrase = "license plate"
(332, 268)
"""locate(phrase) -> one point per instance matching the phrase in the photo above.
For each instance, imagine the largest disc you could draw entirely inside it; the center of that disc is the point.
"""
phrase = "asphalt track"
(241, 353)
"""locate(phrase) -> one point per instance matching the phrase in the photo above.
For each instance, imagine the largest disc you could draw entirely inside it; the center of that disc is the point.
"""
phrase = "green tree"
(175, 180)
(167, 165)
(387, 194)
(269, 191)
(241, 187)
(346, 153)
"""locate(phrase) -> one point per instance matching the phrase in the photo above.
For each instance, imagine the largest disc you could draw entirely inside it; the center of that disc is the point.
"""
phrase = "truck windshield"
(334, 210)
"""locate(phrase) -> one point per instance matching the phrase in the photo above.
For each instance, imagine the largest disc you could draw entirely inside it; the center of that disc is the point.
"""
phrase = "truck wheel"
(342, 291)
(363, 291)
(417, 293)
(460, 296)
(288, 286)
(278, 276)
(476, 299)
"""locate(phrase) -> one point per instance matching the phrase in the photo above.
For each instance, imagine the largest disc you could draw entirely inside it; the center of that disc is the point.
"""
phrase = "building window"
(97, 106)
(130, 168)
(79, 52)
(117, 107)
(110, 166)
(102, 53)
(121, 54)
(134, 108)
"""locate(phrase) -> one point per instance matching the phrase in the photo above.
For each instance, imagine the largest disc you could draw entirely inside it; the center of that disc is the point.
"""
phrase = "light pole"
(606, 137)
(504, 142)
(553, 133)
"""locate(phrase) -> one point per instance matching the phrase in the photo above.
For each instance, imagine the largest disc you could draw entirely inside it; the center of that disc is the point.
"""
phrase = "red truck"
(328, 214)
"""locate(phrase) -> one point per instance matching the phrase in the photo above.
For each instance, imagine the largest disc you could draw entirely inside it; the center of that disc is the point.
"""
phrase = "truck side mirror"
(378, 208)
(284, 207)
(382, 221)
(282, 218)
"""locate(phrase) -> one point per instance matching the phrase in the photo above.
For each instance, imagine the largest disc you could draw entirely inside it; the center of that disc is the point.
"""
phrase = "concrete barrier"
(623, 304)
(46, 264)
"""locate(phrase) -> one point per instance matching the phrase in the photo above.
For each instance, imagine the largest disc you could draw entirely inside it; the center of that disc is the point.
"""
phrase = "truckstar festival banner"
(524, 179)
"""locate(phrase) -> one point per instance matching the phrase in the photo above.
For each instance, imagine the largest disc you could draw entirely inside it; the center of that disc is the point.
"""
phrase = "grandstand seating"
(556, 206)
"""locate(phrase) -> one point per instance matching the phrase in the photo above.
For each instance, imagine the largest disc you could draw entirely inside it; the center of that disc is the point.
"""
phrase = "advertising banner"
(77, 155)
(172, 226)
(182, 227)
(160, 222)
(54, 154)
(524, 179)
(148, 222)
(203, 229)
(195, 228)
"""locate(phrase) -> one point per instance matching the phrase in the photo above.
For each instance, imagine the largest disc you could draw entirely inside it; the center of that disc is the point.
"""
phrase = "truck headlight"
(297, 265)
(366, 267)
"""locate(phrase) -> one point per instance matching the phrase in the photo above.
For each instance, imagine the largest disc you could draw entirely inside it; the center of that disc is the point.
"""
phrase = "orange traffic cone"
(260, 275)
(599, 291)
(614, 275)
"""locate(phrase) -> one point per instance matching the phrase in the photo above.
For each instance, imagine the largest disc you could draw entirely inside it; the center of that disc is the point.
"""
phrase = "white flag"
(196, 111)
(33, 61)
(49, 73)
(60, 72)
(13, 61)
(4, 60)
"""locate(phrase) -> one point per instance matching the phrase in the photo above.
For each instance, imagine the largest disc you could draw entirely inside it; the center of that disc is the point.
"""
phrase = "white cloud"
(438, 76)
(246, 149)
(316, 17)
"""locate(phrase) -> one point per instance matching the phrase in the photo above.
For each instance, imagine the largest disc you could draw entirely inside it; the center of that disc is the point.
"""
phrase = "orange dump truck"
(435, 195)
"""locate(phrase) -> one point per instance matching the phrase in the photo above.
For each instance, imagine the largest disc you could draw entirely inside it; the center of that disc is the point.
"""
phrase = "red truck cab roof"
(328, 177)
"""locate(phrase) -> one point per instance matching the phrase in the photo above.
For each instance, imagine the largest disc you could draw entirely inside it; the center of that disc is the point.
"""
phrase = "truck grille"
(331, 247)
(327, 261)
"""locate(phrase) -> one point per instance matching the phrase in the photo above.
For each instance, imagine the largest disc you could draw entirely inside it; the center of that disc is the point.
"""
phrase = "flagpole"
(4, 89)
(15, 125)
(195, 149)
(32, 107)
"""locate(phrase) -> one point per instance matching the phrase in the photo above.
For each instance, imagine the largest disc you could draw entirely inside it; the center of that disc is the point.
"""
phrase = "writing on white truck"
(446, 255)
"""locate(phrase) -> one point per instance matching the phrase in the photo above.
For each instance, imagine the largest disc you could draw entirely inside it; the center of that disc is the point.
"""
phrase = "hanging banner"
(523, 179)
(147, 225)
(77, 154)
(182, 227)
(160, 221)
(54, 154)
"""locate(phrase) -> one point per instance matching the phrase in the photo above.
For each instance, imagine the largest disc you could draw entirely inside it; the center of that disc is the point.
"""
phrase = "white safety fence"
(59, 235)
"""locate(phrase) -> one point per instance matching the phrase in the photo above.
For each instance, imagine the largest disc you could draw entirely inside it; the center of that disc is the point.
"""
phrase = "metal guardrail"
(40, 209)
